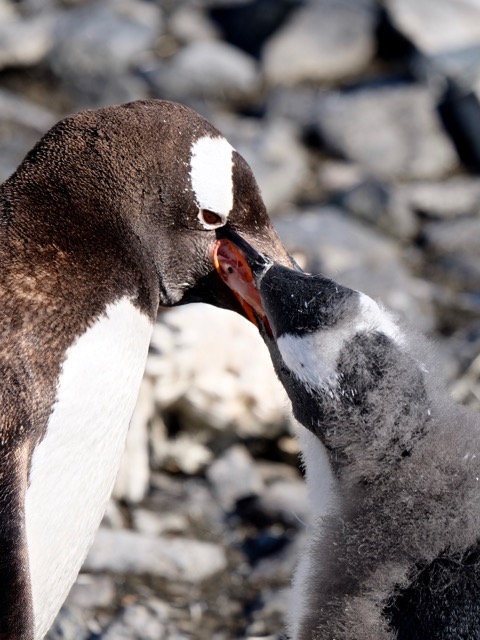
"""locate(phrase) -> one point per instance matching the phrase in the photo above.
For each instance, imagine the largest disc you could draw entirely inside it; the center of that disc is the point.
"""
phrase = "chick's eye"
(210, 218)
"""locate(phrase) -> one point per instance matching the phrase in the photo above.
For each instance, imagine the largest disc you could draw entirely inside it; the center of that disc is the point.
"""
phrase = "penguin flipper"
(16, 608)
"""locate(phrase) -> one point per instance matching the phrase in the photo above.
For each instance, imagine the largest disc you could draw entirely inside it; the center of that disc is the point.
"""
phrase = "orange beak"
(233, 269)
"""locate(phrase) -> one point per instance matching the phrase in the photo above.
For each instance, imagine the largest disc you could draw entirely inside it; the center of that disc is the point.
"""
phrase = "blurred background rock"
(361, 122)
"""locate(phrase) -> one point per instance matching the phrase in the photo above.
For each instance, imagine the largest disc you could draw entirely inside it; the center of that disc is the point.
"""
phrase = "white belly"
(74, 467)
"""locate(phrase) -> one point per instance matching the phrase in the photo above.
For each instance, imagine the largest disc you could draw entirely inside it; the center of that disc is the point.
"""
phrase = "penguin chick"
(398, 557)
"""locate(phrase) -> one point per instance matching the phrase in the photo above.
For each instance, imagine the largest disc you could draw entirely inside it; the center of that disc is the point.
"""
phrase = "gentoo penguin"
(111, 214)
(398, 557)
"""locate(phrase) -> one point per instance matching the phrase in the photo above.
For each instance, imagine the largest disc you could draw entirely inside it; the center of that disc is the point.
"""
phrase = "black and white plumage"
(398, 556)
(112, 213)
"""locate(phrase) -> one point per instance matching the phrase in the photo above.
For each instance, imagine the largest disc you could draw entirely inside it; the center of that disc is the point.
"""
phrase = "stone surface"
(70, 623)
(136, 622)
(96, 45)
(91, 591)
(360, 258)
(275, 155)
(122, 551)
(289, 501)
(451, 24)
(455, 248)
(134, 473)
(455, 236)
(223, 389)
(324, 41)
(208, 69)
(182, 453)
(263, 17)
(374, 202)
(21, 124)
(391, 131)
(234, 476)
(24, 42)
(458, 196)
(154, 523)
(189, 23)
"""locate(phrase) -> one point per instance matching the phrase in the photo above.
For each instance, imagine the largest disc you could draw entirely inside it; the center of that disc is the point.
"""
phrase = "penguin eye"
(210, 218)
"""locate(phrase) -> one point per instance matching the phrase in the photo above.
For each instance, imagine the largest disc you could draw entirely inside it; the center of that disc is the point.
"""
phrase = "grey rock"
(97, 45)
(455, 247)
(288, 499)
(69, 623)
(211, 387)
(19, 111)
(7, 10)
(190, 24)
(361, 258)
(133, 477)
(106, 35)
(136, 622)
(375, 202)
(274, 152)
(122, 551)
(451, 24)
(338, 175)
(233, 476)
(153, 523)
(466, 349)
(391, 131)
(324, 41)
(113, 517)
(35, 7)
(210, 70)
(297, 104)
(465, 344)
(90, 591)
(455, 236)
(457, 196)
(25, 42)
(21, 125)
(275, 603)
(182, 453)
(462, 64)
(271, 472)
(279, 566)
(202, 508)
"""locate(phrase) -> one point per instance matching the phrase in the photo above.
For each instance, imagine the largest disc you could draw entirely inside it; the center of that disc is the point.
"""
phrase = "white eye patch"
(211, 175)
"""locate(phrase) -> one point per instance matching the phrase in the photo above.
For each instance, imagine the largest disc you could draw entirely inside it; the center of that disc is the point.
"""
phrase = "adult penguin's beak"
(241, 267)
(229, 286)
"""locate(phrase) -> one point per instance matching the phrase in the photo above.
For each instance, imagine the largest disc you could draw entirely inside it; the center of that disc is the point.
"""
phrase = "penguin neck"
(376, 412)
(370, 414)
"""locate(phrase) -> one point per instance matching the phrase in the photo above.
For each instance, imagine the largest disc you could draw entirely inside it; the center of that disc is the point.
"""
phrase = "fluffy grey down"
(398, 556)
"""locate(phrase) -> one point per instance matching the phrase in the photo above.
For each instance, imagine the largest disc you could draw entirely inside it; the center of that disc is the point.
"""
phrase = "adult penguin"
(112, 214)
(398, 556)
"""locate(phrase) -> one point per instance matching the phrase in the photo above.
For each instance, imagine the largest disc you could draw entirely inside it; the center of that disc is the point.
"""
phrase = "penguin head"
(160, 175)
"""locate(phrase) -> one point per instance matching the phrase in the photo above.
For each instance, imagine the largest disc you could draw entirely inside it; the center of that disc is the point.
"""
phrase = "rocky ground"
(361, 121)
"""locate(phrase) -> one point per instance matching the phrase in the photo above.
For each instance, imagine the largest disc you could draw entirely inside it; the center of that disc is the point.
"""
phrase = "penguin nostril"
(210, 217)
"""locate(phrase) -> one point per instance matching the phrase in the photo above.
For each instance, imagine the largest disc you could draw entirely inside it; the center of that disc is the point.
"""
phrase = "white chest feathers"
(74, 467)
